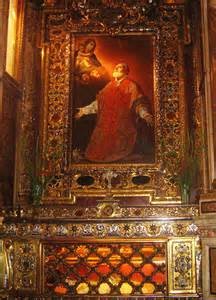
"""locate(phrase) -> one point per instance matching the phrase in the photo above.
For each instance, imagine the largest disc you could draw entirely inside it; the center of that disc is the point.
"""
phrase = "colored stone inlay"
(105, 269)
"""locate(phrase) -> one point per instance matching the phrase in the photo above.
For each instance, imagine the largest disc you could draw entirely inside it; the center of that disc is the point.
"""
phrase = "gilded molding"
(118, 229)
(104, 210)
(165, 23)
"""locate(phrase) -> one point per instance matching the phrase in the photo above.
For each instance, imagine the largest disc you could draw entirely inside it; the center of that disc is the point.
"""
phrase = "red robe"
(115, 133)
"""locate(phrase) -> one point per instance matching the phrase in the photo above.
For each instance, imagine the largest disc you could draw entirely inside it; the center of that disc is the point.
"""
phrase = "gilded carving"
(113, 19)
(25, 265)
(182, 266)
(104, 209)
(106, 218)
(104, 229)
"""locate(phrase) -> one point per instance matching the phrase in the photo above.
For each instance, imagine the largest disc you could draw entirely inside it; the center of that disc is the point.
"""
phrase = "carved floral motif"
(25, 263)
(105, 229)
(112, 18)
(182, 267)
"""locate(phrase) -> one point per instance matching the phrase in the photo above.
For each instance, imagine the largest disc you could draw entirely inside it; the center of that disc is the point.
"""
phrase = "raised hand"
(149, 119)
(79, 114)
(145, 115)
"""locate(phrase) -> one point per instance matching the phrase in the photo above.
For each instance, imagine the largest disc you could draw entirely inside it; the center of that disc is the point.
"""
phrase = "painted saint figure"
(87, 67)
(117, 105)
(90, 78)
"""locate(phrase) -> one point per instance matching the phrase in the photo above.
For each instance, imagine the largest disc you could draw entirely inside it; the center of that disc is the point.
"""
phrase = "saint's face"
(119, 71)
(90, 46)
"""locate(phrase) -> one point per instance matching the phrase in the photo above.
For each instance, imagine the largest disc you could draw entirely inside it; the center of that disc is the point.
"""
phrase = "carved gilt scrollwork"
(111, 18)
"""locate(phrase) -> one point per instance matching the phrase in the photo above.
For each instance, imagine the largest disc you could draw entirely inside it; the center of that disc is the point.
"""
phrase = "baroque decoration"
(25, 264)
(114, 18)
(102, 247)
(149, 266)
(182, 271)
(120, 229)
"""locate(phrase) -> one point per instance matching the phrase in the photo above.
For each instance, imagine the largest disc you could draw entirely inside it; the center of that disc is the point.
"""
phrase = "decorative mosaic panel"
(182, 272)
(25, 265)
(105, 269)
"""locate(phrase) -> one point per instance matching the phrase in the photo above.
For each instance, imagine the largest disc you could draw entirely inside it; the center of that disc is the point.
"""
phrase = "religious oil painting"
(113, 107)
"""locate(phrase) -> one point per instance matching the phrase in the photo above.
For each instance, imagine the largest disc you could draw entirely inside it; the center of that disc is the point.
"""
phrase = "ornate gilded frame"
(167, 24)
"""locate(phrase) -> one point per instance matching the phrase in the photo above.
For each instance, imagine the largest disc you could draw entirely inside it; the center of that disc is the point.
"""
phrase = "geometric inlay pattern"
(105, 269)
